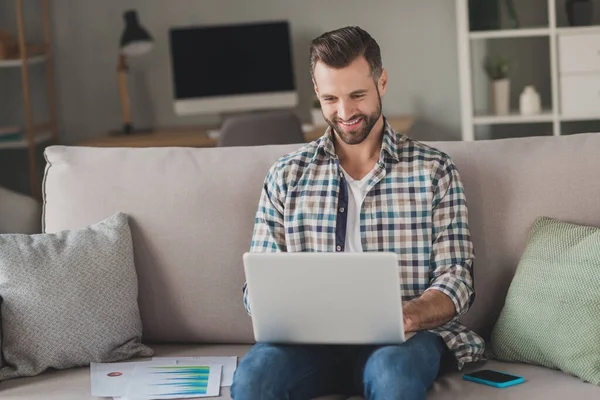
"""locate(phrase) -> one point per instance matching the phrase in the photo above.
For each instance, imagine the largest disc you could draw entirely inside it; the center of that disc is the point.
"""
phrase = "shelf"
(17, 62)
(579, 117)
(572, 30)
(513, 118)
(509, 33)
(43, 133)
(532, 32)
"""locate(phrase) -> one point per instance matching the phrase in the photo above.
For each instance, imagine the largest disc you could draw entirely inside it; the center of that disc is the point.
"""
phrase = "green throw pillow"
(551, 316)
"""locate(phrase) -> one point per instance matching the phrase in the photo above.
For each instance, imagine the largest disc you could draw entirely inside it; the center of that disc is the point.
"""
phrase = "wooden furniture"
(574, 65)
(36, 133)
(201, 137)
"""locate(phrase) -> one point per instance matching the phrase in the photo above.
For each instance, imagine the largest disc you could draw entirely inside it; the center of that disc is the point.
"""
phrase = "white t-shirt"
(357, 191)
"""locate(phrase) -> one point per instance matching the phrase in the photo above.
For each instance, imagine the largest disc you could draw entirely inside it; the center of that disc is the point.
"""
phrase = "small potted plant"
(317, 114)
(497, 69)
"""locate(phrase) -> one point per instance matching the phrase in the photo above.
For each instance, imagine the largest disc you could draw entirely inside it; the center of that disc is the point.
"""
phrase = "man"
(363, 187)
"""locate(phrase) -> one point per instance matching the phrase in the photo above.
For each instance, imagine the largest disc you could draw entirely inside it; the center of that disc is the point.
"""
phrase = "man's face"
(350, 99)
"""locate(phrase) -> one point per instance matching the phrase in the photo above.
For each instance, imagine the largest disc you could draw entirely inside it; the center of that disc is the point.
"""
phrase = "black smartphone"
(494, 378)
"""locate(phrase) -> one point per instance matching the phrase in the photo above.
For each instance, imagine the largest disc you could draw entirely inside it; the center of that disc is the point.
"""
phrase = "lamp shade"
(135, 40)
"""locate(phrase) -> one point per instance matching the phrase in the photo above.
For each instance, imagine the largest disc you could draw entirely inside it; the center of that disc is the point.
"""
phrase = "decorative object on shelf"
(580, 12)
(9, 134)
(135, 41)
(513, 17)
(484, 15)
(33, 49)
(530, 102)
(497, 69)
(317, 114)
(8, 46)
(501, 96)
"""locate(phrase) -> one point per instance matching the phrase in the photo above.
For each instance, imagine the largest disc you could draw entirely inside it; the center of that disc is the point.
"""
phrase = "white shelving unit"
(466, 43)
(513, 118)
(512, 33)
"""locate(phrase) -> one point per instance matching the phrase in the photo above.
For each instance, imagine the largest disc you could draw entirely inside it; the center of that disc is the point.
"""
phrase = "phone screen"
(493, 376)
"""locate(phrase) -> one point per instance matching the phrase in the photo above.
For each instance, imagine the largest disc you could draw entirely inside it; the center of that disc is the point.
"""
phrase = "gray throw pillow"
(69, 298)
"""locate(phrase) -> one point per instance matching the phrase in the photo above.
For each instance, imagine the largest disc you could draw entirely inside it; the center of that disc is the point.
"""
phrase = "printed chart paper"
(229, 365)
(175, 381)
(112, 379)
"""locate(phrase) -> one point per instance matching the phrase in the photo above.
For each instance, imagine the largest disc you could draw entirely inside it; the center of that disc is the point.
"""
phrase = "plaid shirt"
(415, 207)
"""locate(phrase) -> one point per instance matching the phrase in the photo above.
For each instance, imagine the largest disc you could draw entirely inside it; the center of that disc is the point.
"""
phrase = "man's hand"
(433, 309)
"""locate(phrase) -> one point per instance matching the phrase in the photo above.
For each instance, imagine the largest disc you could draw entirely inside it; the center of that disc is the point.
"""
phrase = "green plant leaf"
(497, 67)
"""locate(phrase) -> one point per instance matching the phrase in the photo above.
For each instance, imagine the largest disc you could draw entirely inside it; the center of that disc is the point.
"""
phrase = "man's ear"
(382, 82)
(315, 88)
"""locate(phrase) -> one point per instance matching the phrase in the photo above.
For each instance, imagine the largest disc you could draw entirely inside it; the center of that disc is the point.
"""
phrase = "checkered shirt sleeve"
(269, 231)
(452, 249)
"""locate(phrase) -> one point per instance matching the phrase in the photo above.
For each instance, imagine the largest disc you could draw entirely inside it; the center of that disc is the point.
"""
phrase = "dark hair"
(339, 48)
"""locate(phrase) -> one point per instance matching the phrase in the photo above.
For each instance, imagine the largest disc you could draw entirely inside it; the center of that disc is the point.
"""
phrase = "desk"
(198, 136)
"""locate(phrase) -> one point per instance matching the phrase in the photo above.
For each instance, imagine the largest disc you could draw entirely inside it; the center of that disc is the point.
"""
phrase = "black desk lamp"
(135, 41)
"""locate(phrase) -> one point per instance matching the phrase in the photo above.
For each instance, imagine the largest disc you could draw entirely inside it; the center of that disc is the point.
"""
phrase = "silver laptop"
(325, 298)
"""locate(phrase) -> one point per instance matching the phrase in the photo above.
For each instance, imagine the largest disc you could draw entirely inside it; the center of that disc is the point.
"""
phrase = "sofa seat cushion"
(74, 384)
(541, 383)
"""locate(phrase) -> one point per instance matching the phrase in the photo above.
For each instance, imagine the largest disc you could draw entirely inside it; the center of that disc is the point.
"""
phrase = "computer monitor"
(228, 68)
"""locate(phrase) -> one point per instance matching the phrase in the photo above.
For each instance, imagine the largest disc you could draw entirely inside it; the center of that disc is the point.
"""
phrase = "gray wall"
(418, 40)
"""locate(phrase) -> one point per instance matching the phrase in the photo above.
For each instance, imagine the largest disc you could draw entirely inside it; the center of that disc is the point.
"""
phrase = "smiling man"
(364, 187)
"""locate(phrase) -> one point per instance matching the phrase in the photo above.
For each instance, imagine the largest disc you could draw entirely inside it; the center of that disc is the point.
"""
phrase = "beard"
(356, 136)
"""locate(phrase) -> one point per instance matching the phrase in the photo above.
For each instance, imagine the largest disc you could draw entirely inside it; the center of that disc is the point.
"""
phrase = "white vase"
(317, 117)
(501, 96)
(530, 102)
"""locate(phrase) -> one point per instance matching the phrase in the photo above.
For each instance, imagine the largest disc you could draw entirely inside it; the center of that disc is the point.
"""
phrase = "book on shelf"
(10, 133)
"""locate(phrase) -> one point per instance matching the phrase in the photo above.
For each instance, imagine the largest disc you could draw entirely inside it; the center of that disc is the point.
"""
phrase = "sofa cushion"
(550, 316)
(541, 383)
(192, 215)
(68, 299)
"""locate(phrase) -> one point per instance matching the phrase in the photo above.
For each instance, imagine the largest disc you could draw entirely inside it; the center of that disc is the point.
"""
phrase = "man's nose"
(346, 110)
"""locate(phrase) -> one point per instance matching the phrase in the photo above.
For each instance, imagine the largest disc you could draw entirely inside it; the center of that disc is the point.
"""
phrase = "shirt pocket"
(311, 224)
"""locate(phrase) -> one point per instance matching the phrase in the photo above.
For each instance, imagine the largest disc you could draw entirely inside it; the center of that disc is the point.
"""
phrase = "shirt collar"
(392, 141)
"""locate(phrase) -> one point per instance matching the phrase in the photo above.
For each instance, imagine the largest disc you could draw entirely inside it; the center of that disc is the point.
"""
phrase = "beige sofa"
(192, 213)
(18, 213)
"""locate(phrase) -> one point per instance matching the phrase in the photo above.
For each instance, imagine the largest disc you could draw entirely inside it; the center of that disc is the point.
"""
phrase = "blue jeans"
(301, 372)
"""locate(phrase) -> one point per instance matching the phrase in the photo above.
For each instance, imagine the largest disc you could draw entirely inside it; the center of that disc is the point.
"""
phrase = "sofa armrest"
(19, 213)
